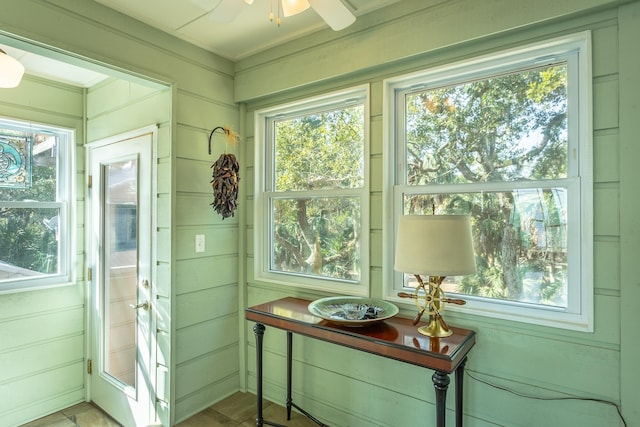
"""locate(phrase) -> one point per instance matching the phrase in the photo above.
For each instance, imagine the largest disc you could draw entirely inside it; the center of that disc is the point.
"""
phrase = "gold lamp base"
(431, 301)
(437, 328)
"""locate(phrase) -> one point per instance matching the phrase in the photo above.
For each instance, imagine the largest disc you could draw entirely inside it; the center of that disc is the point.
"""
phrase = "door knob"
(143, 305)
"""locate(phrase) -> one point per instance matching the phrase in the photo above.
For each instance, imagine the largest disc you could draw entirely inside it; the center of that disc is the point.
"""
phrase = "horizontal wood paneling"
(47, 322)
(196, 307)
(218, 241)
(38, 409)
(206, 337)
(139, 112)
(198, 373)
(531, 359)
(44, 97)
(62, 380)
(203, 84)
(195, 402)
(629, 63)
(370, 45)
(26, 360)
(196, 275)
(205, 113)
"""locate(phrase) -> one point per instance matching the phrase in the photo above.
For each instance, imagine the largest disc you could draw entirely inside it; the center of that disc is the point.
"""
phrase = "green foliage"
(320, 151)
(323, 153)
(25, 240)
(507, 128)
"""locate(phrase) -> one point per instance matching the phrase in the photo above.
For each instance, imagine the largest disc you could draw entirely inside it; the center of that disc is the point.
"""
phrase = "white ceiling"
(197, 22)
(201, 23)
(52, 69)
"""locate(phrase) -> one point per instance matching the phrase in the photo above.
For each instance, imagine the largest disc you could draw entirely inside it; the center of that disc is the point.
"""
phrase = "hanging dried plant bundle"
(225, 185)
(232, 136)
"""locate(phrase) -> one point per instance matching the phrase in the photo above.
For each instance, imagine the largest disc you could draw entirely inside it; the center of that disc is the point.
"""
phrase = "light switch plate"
(199, 242)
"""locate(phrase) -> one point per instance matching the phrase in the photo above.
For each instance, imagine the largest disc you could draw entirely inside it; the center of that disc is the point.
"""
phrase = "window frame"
(65, 202)
(264, 170)
(579, 180)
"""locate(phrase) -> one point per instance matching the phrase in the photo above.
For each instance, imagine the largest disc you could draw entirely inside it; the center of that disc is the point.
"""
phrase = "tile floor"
(238, 410)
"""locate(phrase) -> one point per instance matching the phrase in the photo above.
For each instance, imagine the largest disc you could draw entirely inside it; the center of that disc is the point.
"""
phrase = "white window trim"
(262, 209)
(67, 205)
(580, 319)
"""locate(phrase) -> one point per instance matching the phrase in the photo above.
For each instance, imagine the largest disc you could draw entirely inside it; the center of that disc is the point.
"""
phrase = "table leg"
(258, 330)
(289, 370)
(440, 383)
(459, 385)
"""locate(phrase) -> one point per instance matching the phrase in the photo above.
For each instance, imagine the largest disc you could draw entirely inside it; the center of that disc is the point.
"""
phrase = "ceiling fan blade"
(334, 12)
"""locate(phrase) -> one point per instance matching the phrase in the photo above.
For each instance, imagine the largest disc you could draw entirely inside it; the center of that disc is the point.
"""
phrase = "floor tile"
(53, 420)
(209, 418)
(239, 406)
(238, 410)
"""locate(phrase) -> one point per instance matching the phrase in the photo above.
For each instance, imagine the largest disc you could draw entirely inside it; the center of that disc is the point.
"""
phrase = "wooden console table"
(396, 338)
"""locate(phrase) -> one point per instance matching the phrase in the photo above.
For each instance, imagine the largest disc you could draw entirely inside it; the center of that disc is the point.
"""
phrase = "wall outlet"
(199, 242)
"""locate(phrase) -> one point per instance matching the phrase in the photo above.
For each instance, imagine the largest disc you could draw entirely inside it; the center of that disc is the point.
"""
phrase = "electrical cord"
(528, 396)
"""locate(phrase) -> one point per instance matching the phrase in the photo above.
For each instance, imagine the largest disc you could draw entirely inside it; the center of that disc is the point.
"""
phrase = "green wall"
(205, 348)
(344, 387)
(50, 321)
(196, 295)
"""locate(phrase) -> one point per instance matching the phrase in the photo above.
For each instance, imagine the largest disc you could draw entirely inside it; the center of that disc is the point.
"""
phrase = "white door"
(120, 257)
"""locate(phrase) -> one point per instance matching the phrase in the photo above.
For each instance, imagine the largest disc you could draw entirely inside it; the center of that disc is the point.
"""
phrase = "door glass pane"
(120, 273)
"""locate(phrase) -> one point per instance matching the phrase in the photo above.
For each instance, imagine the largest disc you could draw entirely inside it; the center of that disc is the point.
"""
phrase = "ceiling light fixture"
(293, 7)
(333, 12)
(11, 71)
(288, 8)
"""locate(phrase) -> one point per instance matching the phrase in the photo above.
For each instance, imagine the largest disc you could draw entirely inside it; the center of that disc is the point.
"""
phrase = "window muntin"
(506, 139)
(34, 212)
(314, 200)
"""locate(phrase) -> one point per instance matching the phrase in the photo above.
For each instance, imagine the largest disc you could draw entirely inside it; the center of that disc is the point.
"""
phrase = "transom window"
(506, 140)
(35, 188)
(311, 206)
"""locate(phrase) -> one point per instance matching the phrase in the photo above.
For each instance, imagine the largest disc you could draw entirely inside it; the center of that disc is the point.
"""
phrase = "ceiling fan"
(334, 12)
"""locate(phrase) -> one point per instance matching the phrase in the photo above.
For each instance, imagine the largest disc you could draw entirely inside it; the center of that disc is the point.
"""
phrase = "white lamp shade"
(11, 71)
(293, 7)
(435, 245)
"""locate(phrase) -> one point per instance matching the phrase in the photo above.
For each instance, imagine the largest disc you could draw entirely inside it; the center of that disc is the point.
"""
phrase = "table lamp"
(435, 246)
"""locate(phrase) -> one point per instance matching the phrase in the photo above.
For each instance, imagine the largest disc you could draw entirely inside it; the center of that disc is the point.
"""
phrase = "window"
(35, 186)
(126, 227)
(505, 139)
(311, 206)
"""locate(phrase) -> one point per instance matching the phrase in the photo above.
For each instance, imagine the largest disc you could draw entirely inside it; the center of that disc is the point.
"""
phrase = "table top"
(394, 338)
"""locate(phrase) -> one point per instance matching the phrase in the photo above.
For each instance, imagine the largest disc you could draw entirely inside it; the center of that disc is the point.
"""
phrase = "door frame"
(91, 353)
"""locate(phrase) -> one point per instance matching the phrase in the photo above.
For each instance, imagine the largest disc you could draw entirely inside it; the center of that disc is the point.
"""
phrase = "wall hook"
(213, 131)
(230, 134)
